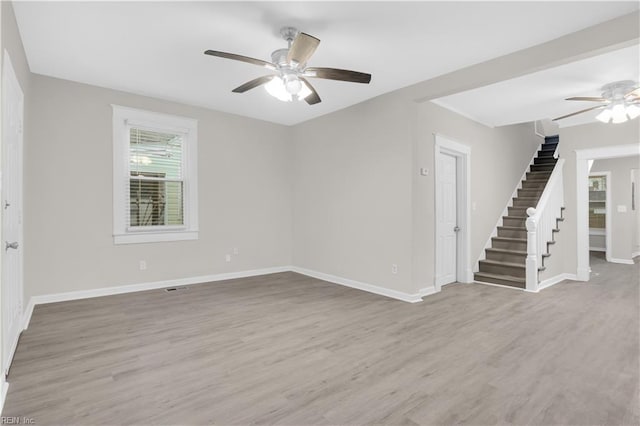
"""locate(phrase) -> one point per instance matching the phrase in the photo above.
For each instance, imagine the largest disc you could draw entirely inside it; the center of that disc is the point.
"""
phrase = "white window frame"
(123, 119)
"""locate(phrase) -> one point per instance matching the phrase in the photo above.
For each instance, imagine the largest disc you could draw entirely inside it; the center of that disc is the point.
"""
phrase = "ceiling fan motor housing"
(617, 90)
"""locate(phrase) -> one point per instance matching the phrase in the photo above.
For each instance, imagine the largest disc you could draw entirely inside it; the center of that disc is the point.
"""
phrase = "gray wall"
(244, 194)
(360, 204)
(594, 135)
(624, 226)
(352, 193)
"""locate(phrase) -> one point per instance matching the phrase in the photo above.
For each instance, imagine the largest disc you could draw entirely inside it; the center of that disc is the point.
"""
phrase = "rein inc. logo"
(5, 420)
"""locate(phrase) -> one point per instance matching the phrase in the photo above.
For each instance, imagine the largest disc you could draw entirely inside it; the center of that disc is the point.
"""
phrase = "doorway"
(600, 212)
(583, 157)
(452, 201)
(12, 258)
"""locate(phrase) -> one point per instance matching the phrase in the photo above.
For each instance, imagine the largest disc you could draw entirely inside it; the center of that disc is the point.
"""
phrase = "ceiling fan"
(620, 102)
(291, 71)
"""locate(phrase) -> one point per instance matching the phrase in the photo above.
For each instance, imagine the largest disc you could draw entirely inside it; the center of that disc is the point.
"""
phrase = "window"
(154, 180)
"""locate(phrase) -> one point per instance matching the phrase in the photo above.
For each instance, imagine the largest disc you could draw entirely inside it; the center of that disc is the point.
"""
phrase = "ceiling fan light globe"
(633, 111)
(604, 116)
(276, 88)
(618, 114)
(292, 84)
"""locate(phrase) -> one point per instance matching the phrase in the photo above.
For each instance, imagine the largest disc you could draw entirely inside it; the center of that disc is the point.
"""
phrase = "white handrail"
(541, 223)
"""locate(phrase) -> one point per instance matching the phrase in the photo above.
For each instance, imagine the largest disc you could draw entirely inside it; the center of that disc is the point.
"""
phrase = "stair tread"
(501, 277)
(502, 263)
(510, 239)
(508, 251)
(512, 228)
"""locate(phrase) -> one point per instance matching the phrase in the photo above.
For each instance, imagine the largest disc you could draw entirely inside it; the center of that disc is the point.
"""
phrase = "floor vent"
(174, 289)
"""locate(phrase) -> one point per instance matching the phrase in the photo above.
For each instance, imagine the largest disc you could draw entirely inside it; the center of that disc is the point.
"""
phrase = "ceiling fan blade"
(586, 98)
(235, 57)
(579, 112)
(253, 83)
(313, 98)
(634, 93)
(302, 48)
(338, 74)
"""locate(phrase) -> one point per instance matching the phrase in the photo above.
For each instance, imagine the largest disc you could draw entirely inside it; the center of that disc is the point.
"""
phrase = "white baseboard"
(635, 254)
(601, 249)
(394, 294)
(499, 285)
(428, 291)
(555, 280)
(623, 261)
(583, 274)
(110, 291)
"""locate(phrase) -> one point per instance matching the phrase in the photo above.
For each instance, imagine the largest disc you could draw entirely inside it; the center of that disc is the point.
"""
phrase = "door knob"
(456, 229)
(8, 245)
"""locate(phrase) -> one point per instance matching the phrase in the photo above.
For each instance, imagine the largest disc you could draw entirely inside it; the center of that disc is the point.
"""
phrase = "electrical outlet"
(142, 265)
(227, 258)
(236, 251)
(394, 269)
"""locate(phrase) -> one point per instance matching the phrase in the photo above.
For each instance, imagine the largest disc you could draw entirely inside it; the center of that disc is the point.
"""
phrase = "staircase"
(505, 261)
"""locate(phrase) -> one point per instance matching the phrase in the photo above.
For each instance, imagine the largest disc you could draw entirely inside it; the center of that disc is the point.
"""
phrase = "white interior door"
(446, 218)
(11, 296)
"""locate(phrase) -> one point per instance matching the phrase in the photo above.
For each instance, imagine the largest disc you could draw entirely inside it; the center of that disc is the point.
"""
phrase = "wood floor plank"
(292, 350)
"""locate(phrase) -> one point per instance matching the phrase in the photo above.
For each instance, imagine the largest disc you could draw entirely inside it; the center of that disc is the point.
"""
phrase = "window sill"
(154, 237)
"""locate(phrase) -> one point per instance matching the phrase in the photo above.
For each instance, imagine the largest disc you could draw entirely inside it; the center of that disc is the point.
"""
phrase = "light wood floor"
(287, 349)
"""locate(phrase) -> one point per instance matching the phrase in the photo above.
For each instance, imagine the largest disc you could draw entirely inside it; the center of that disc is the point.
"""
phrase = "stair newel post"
(532, 251)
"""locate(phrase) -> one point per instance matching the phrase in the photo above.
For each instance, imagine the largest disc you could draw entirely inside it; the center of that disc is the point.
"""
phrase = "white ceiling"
(156, 48)
(541, 95)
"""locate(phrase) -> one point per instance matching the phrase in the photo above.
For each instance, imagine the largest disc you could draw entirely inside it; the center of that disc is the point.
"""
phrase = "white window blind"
(156, 186)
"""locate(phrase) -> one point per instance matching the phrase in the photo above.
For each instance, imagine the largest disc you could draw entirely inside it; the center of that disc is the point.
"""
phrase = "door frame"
(9, 77)
(462, 153)
(607, 220)
(582, 198)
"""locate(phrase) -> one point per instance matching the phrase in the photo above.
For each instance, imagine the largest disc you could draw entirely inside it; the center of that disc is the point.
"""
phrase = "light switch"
(622, 209)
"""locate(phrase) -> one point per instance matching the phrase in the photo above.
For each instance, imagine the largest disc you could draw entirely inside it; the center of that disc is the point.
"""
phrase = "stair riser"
(549, 146)
(506, 257)
(508, 221)
(542, 167)
(502, 270)
(517, 211)
(538, 177)
(545, 154)
(534, 185)
(544, 160)
(512, 233)
(499, 281)
(519, 202)
(530, 193)
(509, 245)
